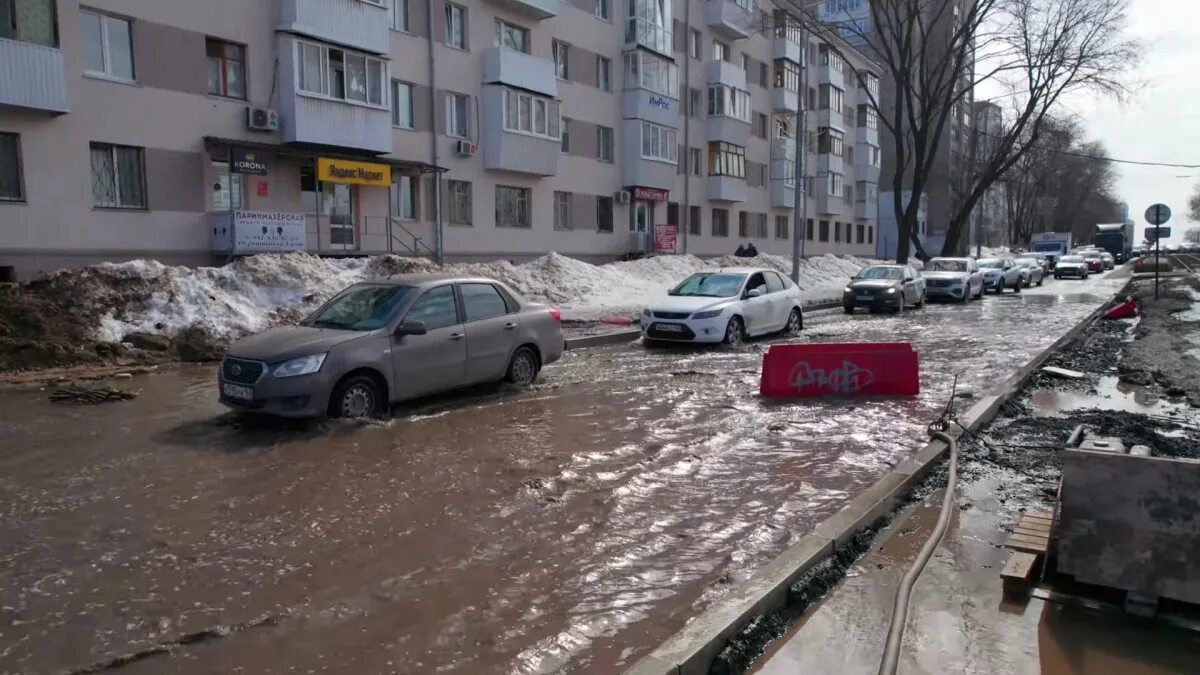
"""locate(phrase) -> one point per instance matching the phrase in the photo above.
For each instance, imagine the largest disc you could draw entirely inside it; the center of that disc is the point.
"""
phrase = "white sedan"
(726, 305)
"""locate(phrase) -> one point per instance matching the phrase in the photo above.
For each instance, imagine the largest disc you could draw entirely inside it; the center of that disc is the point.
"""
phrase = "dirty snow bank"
(258, 291)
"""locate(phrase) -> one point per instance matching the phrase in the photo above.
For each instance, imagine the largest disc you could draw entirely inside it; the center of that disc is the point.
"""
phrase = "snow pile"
(256, 292)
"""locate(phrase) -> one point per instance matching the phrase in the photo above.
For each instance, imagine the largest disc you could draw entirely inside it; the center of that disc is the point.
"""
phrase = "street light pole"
(800, 189)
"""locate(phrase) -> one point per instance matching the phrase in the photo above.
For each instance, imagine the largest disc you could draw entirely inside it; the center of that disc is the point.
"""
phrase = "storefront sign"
(665, 236)
(347, 171)
(248, 161)
(267, 232)
(650, 194)
(659, 102)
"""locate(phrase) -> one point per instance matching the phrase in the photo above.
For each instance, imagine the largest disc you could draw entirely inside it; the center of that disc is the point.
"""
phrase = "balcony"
(32, 76)
(727, 129)
(784, 100)
(828, 74)
(830, 163)
(724, 72)
(783, 196)
(351, 23)
(867, 135)
(645, 33)
(533, 9)
(866, 210)
(644, 104)
(637, 170)
(783, 48)
(520, 70)
(729, 19)
(726, 188)
(831, 118)
(314, 119)
(515, 151)
(827, 204)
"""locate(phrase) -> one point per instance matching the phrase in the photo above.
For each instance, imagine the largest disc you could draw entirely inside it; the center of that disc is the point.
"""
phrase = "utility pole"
(800, 191)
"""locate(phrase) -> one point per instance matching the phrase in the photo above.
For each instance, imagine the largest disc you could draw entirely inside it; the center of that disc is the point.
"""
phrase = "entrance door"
(338, 202)
(642, 215)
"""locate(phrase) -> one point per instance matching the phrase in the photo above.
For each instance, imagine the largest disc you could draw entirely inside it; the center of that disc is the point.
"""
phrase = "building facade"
(189, 131)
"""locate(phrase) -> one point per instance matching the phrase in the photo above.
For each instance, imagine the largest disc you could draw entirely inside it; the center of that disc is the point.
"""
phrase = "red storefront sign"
(665, 236)
(650, 194)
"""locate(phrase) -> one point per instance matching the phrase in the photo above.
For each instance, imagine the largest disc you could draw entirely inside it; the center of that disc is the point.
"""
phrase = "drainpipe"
(686, 104)
(439, 252)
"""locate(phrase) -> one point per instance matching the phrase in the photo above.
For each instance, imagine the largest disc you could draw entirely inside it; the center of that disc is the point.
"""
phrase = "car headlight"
(305, 365)
(710, 314)
(646, 312)
(891, 291)
(849, 290)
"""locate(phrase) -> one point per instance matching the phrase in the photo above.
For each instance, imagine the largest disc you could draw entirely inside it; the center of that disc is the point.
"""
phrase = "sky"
(1161, 121)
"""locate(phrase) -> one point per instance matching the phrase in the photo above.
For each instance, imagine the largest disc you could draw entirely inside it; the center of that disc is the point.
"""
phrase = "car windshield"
(991, 263)
(1049, 246)
(710, 285)
(881, 273)
(1071, 259)
(1091, 254)
(944, 265)
(360, 307)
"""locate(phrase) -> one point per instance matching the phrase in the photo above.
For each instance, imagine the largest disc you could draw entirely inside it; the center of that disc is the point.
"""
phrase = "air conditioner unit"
(623, 197)
(464, 148)
(262, 119)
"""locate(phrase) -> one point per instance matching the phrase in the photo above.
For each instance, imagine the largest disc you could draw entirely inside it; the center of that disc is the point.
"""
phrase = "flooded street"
(568, 528)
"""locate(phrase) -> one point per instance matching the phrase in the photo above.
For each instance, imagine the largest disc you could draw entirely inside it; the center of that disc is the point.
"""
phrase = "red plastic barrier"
(1124, 310)
(840, 368)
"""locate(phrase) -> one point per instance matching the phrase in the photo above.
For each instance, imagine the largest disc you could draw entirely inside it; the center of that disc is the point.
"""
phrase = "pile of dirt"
(1164, 352)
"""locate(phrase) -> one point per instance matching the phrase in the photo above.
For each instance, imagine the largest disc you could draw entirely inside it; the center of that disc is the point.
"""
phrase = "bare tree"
(1194, 204)
(934, 53)
(1192, 235)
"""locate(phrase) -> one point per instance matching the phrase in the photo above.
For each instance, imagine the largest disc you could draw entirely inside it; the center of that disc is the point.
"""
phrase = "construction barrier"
(840, 368)
(1124, 310)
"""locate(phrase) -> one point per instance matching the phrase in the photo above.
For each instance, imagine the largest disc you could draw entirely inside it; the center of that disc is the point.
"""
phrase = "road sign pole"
(1157, 248)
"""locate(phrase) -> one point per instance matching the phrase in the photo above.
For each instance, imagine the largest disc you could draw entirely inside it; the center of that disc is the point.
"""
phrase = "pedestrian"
(751, 251)
(741, 251)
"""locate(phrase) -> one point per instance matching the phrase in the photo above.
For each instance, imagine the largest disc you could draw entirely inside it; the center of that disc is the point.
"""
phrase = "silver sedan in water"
(1032, 273)
(385, 341)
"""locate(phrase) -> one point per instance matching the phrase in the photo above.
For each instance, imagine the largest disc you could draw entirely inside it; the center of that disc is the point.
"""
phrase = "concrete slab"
(867, 508)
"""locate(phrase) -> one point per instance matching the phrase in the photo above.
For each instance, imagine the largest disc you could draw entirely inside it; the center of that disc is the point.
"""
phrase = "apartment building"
(191, 131)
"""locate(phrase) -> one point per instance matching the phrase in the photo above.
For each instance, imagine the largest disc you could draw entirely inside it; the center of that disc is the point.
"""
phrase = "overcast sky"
(1162, 121)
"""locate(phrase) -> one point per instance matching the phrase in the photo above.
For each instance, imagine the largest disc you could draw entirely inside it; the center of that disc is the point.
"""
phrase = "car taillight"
(554, 312)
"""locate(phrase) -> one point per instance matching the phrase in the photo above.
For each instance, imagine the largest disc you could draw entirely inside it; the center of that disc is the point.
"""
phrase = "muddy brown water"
(567, 528)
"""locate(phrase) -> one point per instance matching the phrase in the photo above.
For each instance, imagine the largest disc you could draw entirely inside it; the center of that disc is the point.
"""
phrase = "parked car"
(1034, 273)
(1094, 260)
(1109, 261)
(957, 278)
(386, 341)
(884, 287)
(1071, 266)
(1002, 273)
(726, 305)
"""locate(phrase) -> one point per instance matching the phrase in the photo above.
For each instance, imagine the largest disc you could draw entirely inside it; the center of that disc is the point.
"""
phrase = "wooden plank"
(1024, 543)
(1030, 524)
(1019, 566)
(1046, 515)
(1032, 534)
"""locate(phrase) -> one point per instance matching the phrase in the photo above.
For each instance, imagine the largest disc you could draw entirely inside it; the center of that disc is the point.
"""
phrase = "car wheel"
(1041, 280)
(522, 368)
(921, 301)
(735, 332)
(795, 323)
(900, 304)
(355, 398)
(1017, 286)
(849, 309)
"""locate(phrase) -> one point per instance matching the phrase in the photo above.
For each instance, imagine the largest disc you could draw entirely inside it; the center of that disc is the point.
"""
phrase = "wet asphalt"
(566, 528)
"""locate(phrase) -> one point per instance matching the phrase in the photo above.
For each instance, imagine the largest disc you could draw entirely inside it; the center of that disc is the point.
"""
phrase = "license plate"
(670, 327)
(234, 391)
(865, 298)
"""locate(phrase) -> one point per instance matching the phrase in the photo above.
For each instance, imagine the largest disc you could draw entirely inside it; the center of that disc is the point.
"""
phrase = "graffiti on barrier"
(845, 380)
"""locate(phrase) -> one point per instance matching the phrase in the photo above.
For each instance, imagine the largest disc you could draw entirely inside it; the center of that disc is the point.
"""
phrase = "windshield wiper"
(326, 323)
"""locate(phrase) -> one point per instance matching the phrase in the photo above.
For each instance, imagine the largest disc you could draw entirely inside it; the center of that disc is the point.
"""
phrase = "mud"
(1165, 347)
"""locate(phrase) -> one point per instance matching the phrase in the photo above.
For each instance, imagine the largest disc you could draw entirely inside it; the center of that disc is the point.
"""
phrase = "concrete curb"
(692, 650)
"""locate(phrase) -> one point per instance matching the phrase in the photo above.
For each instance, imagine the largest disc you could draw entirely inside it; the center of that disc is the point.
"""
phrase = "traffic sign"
(1156, 233)
(1158, 214)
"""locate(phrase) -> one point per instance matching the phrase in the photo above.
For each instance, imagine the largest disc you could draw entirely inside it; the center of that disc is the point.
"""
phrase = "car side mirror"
(410, 328)
(754, 292)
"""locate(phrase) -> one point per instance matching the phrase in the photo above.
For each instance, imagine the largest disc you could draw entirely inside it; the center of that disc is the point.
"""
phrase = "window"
(340, 74)
(835, 184)
(565, 145)
(436, 309)
(760, 125)
(227, 192)
(561, 53)
(404, 198)
(831, 98)
(458, 198)
(785, 170)
(837, 232)
(694, 103)
(694, 162)
(721, 51)
(867, 192)
(694, 40)
(861, 233)
(726, 159)
(783, 123)
(808, 229)
(760, 225)
(402, 104)
(649, 71)
(456, 26)
(874, 156)
(456, 116)
(774, 282)
(720, 223)
(872, 85)
(867, 116)
(763, 77)
(226, 68)
(562, 210)
(512, 206)
(729, 101)
(787, 75)
(603, 10)
(118, 178)
(516, 38)
(481, 301)
(746, 62)
(781, 227)
(604, 144)
(529, 114)
(831, 59)
(870, 234)
(399, 15)
(822, 231)
(694, 220)
(12, 184)
(604, 214)
(108, 45)
(32, 21)
(659, 143)
(743, 226)
(830, 141)
(761, 170)
(603, 73)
